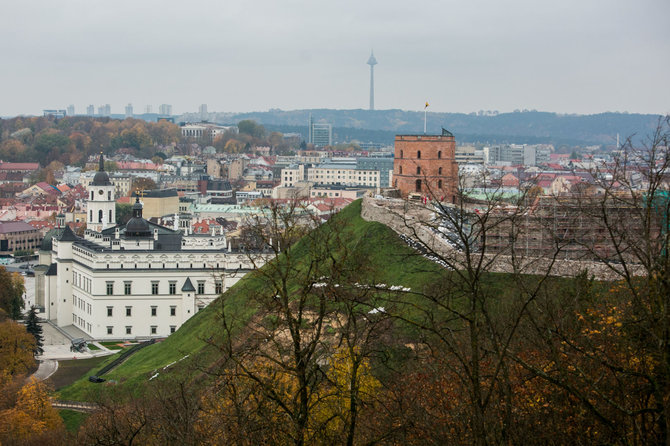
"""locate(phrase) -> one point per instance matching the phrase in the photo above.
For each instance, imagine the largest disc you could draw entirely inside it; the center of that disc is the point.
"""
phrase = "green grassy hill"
(372, 241)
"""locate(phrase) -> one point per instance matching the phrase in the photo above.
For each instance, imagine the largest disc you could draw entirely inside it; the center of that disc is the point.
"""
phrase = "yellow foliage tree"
(16, 348)
(33, 414)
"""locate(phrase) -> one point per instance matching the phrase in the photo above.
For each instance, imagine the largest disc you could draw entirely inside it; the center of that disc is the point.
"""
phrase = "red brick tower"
(426, 165)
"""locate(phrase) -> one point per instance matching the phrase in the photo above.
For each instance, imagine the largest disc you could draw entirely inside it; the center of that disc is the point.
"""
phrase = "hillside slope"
(188, 347)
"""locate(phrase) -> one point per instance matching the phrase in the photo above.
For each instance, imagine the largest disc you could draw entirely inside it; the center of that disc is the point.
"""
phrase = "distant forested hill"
(526, 127)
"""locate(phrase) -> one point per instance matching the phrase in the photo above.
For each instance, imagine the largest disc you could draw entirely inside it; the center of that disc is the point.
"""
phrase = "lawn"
(71, 370)
(72, 419)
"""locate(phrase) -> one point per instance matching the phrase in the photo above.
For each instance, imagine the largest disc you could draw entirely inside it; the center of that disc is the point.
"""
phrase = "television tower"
(372, 62)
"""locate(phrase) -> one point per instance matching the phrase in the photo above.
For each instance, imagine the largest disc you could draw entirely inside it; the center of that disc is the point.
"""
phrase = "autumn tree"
(31, 417)
(466, 324)
(608, 349)
(141, 183)
(11, 293)
(16, 348)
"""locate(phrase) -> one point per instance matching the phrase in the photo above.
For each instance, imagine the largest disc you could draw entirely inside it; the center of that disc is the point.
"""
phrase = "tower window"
(100, 216)
(400, 170)
(418, 154)
(418, 185)
(439, 171)
(439, 154)
(418, 170)
(439, 184)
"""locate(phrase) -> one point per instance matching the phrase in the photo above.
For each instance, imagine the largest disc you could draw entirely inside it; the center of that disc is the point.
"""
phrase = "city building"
(205, 130)
(426, 165)
(105, 110)
(160, 202)
(343, 174)
(138, 280)
(90, 110)
(320, 134)
(55, 113)
(18, 236)
(202, 110)
(382, 164)
(520, 154)
(129, 110)
(70, 110)
(165, 109)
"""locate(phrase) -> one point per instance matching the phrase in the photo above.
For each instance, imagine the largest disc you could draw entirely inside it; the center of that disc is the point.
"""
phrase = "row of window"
(418, 170)
(76, 320)
(172, 287)
(153, 329)
(154, 311)
(418, 154)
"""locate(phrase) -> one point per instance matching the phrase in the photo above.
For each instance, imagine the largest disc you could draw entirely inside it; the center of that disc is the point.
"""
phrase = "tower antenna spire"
(372, 62)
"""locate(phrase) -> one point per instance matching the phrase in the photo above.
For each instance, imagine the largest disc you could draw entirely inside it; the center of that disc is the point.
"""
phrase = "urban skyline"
(568, 57)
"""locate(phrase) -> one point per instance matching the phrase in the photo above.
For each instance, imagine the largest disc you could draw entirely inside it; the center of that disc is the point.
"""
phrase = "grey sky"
(572, 56)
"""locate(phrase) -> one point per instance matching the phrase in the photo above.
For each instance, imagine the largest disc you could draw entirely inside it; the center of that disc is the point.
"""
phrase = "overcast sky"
(568, 56)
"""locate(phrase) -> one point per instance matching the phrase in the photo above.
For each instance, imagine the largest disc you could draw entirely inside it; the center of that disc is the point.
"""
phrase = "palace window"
(154, 310)
(110, 288)
(173, 311)
(126, 288)
(201, 287)
(110, 311)
(129, 311)
(173, 287)
(154, 288)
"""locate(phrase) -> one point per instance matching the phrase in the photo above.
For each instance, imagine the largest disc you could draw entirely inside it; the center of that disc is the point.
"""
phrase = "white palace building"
(138, 280)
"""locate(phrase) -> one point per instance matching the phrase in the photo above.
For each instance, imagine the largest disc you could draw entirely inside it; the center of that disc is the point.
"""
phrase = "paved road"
(46, 368)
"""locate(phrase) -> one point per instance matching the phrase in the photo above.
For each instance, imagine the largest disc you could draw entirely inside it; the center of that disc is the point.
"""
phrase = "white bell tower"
(101, 201)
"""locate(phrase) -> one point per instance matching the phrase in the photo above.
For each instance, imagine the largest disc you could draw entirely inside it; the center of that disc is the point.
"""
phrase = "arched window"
(439, 171)
(401, 154)
(100, 216)
(109, 195)
(418, 185)
(418, 170)
(439, 154)
(418, 154)
(110, 216)
(90, 217)
(91, 195)
(400, 170)
(439, 184)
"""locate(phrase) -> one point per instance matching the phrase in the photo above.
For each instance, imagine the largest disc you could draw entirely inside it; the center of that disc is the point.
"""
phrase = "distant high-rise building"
(90, 110)
(320, 134)
(129, 110)
(70, 110)
(147, 109)
(105, 110)
(372, 62)
(204, 116)
(165, 110)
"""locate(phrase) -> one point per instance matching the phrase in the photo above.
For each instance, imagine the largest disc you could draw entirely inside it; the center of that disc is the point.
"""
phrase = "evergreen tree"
(34, 328)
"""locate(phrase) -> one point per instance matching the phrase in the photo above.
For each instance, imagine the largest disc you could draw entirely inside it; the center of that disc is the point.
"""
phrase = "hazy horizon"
(569, 57)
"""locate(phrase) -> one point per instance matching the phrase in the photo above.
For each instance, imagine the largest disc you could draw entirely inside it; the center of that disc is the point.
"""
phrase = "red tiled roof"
(19, 166)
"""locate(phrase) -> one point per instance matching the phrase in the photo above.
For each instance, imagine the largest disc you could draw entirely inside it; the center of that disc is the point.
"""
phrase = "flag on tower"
(427, 104)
